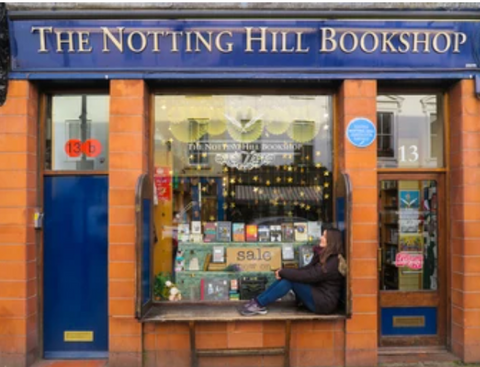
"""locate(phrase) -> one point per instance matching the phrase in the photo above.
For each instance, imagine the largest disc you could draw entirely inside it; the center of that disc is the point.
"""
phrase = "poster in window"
(163, 183)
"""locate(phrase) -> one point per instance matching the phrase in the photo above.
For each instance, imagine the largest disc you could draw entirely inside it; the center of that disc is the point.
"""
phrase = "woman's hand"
(277, 274)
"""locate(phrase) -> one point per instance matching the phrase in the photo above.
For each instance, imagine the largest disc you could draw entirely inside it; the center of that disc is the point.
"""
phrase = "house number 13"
(412, 152)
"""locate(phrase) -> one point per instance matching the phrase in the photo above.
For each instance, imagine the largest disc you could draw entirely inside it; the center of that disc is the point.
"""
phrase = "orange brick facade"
(351, 342)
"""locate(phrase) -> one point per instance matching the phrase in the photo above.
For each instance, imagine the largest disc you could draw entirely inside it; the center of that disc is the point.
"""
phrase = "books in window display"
(214, 289)
(183, 232)
(210, 232)
(276, 233)
(251, 233)
(305, 254)
(314, 230)
(238, 230)
(263, 233)
(301, 234)
(224, 232)
(251, 287)
(288, 232)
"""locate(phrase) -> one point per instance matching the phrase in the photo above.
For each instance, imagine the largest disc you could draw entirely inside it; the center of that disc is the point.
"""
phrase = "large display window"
(242, 186)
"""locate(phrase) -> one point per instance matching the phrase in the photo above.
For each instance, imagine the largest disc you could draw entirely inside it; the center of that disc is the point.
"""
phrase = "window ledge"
(177, 312)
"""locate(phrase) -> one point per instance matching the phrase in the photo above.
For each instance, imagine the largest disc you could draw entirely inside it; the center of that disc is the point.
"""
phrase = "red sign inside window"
(163, 183)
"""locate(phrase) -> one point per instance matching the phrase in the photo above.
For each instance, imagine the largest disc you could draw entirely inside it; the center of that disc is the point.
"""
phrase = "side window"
(410, 131)
(385, 135)
(77, 133)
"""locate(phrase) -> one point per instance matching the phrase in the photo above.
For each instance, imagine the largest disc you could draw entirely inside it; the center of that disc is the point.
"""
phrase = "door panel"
(75, 267)
(411, 260)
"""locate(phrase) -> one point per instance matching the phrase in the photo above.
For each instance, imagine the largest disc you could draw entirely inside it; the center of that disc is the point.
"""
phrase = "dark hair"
(334, 246)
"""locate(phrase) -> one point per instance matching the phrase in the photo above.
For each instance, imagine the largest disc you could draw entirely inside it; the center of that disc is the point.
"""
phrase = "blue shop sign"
(255, 46)
(361, 132)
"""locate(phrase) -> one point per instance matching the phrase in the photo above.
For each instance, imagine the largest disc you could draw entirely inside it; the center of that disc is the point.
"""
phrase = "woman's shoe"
(253, 308)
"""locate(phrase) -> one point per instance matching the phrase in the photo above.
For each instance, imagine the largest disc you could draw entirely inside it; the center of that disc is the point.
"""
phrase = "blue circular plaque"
(361, 132)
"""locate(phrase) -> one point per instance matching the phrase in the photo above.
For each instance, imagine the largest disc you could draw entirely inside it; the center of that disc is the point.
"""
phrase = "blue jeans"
(303, 293)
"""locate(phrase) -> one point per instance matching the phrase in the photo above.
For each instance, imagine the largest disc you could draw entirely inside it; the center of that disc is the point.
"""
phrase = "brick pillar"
(357, 98)
(18, 257)
(128, 160)
(464, 220)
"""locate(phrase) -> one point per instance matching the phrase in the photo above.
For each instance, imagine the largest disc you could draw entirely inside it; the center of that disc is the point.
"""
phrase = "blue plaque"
(361, 132)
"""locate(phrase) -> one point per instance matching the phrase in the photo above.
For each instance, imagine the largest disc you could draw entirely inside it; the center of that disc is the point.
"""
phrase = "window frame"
(333, 94)
(44, 125)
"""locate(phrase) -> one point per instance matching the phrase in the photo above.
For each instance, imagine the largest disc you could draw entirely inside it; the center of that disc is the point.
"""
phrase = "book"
(238, 230)
(183, 232)
(288, 252)
(218, 254)
(208, 259)
(196, 227)
(224, 231)
(251, 233)
(300, 231)
(305, 253)
(263, 233)
(314, 230)
(197, 238)
(276, 233)
(288, 232)
(210, 232)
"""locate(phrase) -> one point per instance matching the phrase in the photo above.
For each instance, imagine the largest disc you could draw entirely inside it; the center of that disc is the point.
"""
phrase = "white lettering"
(42, 31)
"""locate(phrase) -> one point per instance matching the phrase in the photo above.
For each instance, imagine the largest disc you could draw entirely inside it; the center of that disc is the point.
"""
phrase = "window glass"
(408, 235)
(243, 186)
(410, 131)
(77, 133)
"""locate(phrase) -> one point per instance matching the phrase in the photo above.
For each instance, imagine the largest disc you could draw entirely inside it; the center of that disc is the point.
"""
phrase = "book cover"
(218, 254)
(224, 231)
(210, 232)
(263, 233)
(196, 227)
(288, 253)
(300, 231)
(197, 238)
(276, 233)
(251, 233)
(238, 230)
(305, 255)
(183, 232)
(288, 232)
(314, 231)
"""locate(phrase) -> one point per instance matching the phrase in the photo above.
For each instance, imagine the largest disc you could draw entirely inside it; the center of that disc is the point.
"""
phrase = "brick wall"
(357, 98)
(313, 343)
(464, 220)
(128, 160)
(18, 257)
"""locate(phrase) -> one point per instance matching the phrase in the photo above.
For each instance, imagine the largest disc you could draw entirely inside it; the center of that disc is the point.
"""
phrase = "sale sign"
(409, 260)
(163, 183)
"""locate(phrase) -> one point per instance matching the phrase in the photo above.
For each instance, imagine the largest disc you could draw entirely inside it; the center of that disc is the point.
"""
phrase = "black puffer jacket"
(326, 285)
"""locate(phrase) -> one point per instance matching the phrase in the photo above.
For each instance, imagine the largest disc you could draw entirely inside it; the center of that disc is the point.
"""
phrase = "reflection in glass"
(408, 235)
(230, 163)
(77, 133)
(410, 131)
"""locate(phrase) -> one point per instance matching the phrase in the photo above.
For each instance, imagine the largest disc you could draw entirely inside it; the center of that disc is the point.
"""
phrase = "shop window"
(385, 135)
(76, 134)
(243, 186)
(410, 131)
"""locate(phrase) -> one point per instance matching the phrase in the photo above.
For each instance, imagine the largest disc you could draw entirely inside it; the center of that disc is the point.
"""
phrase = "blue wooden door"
(75, 267)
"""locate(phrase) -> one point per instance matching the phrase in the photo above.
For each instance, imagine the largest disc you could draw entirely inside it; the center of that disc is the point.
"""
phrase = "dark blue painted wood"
(75, 264)
(146, 251)
(388, 46)
(430, 314)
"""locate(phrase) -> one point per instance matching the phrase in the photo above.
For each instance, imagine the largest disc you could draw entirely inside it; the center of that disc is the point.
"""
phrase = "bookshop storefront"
(169, 167)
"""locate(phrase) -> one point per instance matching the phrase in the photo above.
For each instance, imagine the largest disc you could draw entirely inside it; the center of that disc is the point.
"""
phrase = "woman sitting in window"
(318, 285)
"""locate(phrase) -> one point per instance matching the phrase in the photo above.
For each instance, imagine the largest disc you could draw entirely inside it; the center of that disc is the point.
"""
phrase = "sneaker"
(253, 308)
